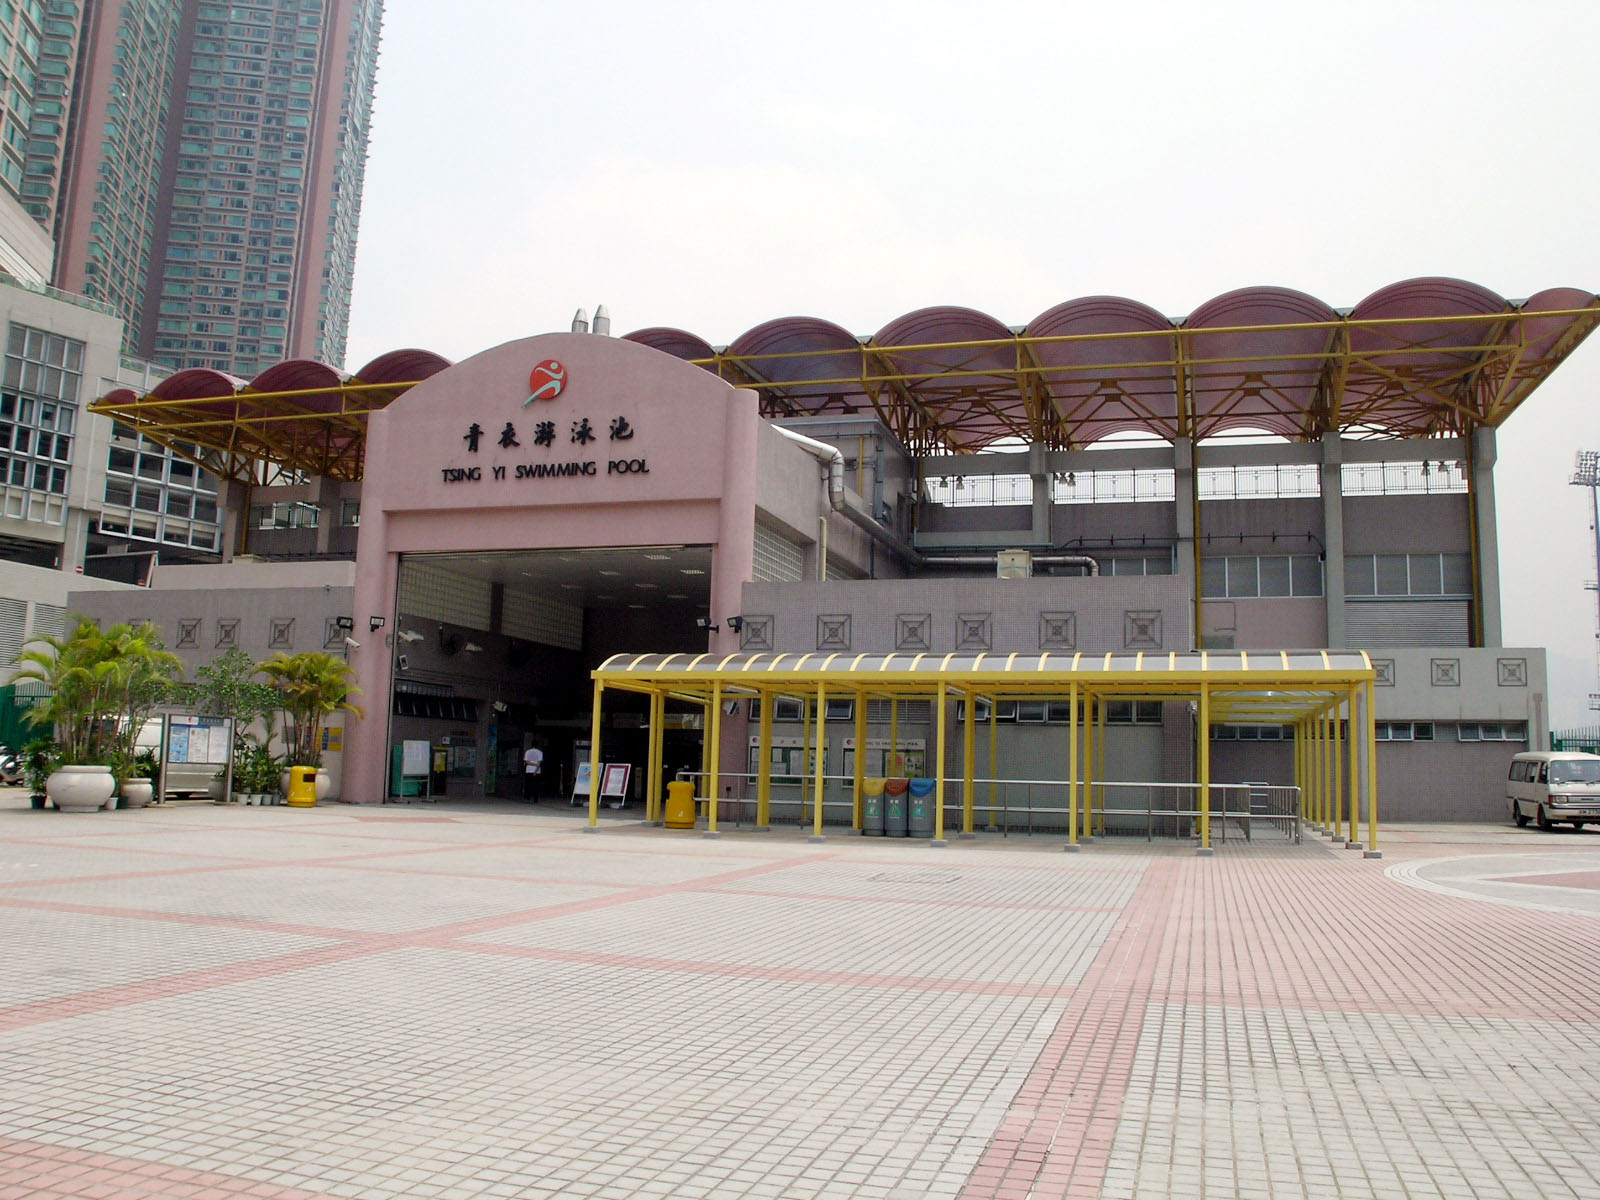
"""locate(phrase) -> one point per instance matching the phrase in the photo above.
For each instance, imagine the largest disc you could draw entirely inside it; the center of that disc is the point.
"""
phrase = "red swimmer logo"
(547, 382)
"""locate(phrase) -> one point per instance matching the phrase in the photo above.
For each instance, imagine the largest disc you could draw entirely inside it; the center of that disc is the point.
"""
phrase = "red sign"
(547, 382)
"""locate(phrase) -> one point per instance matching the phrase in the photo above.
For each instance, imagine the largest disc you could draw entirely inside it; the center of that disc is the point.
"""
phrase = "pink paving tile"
(41, 1171)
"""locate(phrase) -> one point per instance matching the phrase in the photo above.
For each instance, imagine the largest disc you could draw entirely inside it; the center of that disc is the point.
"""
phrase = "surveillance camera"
(409, 635)
(352, 643)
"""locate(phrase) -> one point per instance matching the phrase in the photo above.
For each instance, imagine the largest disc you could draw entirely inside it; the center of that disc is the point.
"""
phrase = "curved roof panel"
(196, 383)
(1263, 363)
(676, 342)
(402, 365)
(1417, 353)
(1106, 379)
(804, 356)
(296, 374)
(960, 365)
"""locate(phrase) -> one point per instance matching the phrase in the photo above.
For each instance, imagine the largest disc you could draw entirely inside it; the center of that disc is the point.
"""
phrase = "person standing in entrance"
(532, 766)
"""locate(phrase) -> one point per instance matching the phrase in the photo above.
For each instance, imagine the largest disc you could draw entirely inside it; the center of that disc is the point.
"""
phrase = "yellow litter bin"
(680, 804)
(302, 787)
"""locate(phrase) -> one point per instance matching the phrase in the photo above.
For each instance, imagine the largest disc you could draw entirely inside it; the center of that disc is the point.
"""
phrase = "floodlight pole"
(1586, 473)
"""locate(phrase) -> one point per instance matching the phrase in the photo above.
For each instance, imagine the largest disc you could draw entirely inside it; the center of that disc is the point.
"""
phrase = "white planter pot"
(136, 793)
(81, 789)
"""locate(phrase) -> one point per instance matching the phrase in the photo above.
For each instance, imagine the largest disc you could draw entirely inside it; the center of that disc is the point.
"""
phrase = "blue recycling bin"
(919, 809)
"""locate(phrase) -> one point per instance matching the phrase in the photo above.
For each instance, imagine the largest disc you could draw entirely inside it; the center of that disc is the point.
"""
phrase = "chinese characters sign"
(549, 380)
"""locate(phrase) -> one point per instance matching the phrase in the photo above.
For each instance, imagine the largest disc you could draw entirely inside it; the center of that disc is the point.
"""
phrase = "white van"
(1548, 786)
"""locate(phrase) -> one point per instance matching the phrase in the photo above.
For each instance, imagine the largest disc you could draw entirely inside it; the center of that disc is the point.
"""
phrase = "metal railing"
(1116, 807)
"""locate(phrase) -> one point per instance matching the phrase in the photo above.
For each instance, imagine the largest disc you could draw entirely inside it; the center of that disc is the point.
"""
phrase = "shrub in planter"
(103, 685)
(255, 773)
(311, 687)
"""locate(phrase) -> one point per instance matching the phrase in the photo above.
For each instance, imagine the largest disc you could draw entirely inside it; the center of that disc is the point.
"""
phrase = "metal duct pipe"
(833, 460)
(988, 560)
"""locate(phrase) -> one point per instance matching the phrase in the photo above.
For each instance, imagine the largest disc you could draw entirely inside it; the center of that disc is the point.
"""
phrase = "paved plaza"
(478, 1001)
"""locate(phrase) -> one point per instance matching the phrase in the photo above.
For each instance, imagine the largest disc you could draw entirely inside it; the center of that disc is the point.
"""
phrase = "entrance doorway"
(492, 653)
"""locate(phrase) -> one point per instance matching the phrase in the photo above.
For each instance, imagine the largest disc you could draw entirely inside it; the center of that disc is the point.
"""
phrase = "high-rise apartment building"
(198, 164)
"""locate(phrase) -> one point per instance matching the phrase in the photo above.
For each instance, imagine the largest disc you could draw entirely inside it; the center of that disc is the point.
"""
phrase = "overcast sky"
(711, 166)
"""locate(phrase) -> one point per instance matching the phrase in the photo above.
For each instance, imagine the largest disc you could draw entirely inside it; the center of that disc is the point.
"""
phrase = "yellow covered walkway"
(1325, 696)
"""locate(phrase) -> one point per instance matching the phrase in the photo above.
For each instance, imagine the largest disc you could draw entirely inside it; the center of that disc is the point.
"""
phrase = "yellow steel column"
(968, 762)
(1300, 766)
(1352, 744)
(764, 766)
(1091, 714)
(594, 755)
(889, 765)
(805, 753)
(1371, 724)
(943, 701)
(1205, 768)
(1072, 766)
(1335, 762)
(1330, 770)
(714, 755)
(822, 760)
(861, 757)
(994, 761)
(1317, 779)
(652, 759)
(1100, 761)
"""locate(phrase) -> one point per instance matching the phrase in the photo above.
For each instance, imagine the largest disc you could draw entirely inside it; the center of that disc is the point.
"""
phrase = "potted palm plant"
(40, 758)
(311, 687)
(104, 684)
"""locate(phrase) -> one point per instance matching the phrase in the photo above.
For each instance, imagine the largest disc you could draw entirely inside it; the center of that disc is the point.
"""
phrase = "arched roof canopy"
(1280, 687)
(1425, 357)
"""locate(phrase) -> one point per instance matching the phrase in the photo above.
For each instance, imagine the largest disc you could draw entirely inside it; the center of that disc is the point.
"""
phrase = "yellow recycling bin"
(680, 804)
(302, 787)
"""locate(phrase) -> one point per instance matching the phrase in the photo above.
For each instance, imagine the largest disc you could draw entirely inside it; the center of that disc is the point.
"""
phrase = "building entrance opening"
(493, 654)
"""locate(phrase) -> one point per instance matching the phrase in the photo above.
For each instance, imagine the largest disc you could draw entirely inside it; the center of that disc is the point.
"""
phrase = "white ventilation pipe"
(831, 458)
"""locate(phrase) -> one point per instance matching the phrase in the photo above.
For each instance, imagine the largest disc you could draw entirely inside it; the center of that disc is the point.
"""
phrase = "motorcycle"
(12, 772)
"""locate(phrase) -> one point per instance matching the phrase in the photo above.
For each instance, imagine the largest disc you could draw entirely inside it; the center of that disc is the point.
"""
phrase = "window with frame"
(1245, 576)
(1491, 731)
(1434, 576)
(1403, 731)
(38, 408)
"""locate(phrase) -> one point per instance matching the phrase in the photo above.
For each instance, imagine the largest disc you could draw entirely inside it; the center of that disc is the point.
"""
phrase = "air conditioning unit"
(1013, 564)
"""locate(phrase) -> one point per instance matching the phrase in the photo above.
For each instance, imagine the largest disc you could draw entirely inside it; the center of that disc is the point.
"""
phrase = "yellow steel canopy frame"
(958, 397)
(1319, 693)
